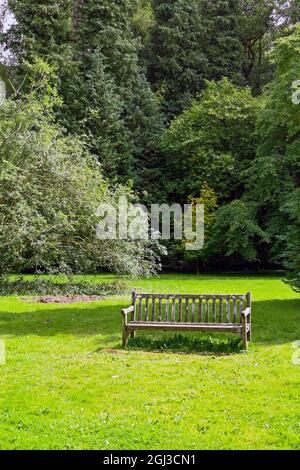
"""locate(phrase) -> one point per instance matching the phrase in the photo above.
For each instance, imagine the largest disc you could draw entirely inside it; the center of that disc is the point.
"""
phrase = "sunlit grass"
(67, 382)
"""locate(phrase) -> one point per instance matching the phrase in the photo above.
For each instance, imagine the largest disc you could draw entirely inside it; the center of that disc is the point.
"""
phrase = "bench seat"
(142, 325)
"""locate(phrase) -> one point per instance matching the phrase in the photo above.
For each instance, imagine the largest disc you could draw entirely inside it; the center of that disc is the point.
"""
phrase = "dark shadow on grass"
(76, 319)
(187, 344)
(273, 322)
(276, 321)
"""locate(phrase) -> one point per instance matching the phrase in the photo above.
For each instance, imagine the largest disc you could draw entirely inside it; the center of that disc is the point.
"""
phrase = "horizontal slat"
(191, 296)
(221, 327)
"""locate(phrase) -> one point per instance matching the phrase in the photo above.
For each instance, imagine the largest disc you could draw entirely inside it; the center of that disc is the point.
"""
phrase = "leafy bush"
(42, 286)
(51, 188)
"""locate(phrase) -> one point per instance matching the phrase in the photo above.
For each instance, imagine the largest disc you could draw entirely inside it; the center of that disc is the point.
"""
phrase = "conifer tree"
(177, 60)
(192, 41)
(222, 43)
(104, 89)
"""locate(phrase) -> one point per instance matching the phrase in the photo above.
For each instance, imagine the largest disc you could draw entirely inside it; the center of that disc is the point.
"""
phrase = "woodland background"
(165, 101)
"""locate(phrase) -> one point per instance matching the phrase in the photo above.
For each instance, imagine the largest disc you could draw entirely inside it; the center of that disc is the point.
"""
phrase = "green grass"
(67, 384)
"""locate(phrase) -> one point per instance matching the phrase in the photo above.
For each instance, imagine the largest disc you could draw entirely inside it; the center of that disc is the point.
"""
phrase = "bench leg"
(249, 332)
(125, 336)
(245, 339)
(245, 342)
(249, 335)
(132, 334)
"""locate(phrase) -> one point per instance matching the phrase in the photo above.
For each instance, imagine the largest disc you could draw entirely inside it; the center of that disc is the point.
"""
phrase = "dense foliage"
(51, 188)
(191, 41)
(68, 287)
(211, 142)
(182, 101)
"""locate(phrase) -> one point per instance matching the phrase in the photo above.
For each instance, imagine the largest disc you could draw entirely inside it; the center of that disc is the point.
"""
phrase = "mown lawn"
(67, 384)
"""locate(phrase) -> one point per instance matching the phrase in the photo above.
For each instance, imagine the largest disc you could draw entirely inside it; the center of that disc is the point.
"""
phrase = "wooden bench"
(176, 312)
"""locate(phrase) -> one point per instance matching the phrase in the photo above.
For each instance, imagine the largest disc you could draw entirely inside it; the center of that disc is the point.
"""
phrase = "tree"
(274, 176)
(261, 22)
(209, 200)
(177, 61)
(222, 43)
(236, 232)
(101, 25)
(291, 253)
(211, 142)
(41, 29)
(51, 188)
(143, 20)
(191, 41)
(104, 89)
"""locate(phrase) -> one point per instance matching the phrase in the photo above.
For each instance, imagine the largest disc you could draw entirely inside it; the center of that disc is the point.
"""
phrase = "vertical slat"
(207, 311)
(173, 310)
(146, 309)
(220, 310)
(153, 309)
(248, 297)
(167, 310)
(200, 310)
(193, 311)
(227, 310)
(214, 309)
(234, 310)
(133, 302)
(186, 310)
(140, 310)
(180, 310)
(241, 309)
(159, 309)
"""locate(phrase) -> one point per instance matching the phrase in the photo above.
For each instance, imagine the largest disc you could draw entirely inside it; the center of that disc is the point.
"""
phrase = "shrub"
(51, 188)
(42, 286)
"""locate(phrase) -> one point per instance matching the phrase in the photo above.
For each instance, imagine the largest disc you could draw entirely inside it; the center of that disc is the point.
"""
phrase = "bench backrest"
(190, 308)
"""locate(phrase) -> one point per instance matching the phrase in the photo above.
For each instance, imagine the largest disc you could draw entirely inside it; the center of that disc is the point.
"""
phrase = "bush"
(42, 286)
(51, 188)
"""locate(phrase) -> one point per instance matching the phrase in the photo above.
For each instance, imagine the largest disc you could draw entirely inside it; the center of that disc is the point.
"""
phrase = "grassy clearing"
(67, 384)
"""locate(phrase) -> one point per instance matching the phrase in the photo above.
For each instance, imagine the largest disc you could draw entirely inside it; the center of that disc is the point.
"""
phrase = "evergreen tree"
(190, 42)
(107, 98)
(222, 44)
(41, 29)
(100, 25)
(177, 60)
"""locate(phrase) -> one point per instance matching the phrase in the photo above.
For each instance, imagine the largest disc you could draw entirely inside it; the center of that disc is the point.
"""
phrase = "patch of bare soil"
(66, 299)
(111, 351)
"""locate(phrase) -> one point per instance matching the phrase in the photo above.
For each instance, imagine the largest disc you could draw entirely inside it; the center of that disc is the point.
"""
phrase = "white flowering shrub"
(50, 188)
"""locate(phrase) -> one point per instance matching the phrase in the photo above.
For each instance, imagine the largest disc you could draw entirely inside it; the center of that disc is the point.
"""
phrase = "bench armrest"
(125, 312)
(246, 312)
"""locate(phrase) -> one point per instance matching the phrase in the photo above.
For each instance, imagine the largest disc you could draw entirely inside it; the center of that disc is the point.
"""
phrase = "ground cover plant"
(59, 285)
(68, 384)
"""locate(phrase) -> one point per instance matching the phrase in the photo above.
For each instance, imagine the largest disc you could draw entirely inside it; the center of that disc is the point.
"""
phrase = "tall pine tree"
(222, 44)
(107, 98)
(177, 60)
(192, 40)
